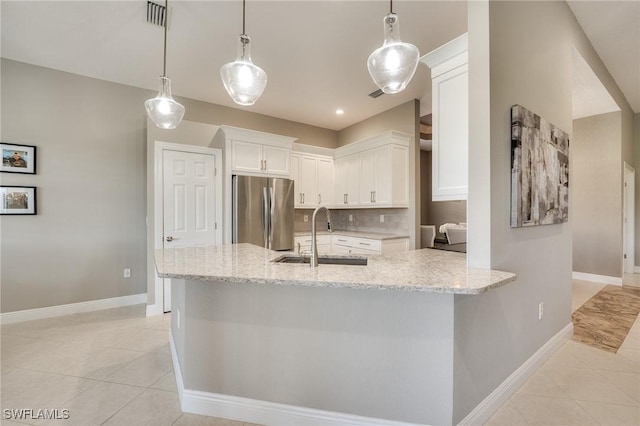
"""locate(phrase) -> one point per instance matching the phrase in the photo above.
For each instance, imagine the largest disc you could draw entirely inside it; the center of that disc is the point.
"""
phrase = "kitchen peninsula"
(275, 343)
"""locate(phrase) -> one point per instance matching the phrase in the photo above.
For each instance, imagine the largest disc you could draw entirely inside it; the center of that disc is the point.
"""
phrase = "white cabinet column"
(450, 105)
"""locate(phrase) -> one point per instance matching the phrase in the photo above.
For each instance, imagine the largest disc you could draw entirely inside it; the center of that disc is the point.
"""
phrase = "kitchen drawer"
(320, 239)
(366, 244)
(363, 251)
(355, 245)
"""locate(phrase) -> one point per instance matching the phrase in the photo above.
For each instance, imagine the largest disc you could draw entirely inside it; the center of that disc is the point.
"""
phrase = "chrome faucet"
(314, 245)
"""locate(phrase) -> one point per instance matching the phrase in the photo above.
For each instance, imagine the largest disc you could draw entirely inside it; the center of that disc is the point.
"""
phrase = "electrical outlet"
(127, 272)
(306, 218)
(350, 218)
(381, 218)
(540, 310)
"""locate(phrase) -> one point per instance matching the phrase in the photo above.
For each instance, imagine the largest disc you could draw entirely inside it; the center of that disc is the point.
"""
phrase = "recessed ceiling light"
(339, 111)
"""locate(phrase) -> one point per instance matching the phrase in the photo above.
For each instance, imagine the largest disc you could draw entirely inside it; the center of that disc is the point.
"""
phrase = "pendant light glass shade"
(163, 110)
(243, 80)
(392, 66)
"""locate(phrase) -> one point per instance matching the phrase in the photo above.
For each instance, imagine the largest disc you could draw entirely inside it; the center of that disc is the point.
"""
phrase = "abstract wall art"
(539, 170)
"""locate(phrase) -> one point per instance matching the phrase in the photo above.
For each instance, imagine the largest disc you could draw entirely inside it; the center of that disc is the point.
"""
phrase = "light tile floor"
(110, 367)
(581, 385)
(113, 367)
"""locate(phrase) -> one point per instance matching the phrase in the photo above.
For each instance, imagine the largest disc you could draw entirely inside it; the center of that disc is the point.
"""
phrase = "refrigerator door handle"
(234, 212)
(265, 217)
(271, 215)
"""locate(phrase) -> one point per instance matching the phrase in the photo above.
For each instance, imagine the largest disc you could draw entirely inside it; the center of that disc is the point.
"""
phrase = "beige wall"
(437, 212)
(425, 186)
(90, 138)
(401, 118)
(636, 156)
(528, 50)
(595, 194)
(92, 183)
(204, 112)
(404, 118)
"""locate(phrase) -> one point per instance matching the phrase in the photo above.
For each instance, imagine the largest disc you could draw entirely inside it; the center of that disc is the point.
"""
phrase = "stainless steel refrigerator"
(263, 212)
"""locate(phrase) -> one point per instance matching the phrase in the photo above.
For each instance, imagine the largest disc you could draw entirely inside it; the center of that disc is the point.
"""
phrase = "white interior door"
(628, 221)
(189, 203)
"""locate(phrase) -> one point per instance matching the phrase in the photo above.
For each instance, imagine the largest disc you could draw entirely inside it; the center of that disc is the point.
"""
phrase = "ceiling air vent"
(377, 93)
(156, 13)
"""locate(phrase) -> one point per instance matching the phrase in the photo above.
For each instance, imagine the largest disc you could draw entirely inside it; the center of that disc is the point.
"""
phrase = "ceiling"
(613, 28)
(314, 52)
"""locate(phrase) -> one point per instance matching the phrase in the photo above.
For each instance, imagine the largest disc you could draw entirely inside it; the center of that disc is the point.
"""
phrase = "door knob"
(169, 239)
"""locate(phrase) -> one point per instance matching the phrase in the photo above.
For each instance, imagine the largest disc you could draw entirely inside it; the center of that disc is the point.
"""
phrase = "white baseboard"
(155, 309)
(72, 308)
(262, 412)
(494, 401)
(603, 279)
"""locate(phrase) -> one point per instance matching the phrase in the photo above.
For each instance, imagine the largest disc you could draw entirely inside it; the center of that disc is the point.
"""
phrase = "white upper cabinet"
(314, 179)
(368, 178)
(326, 179)
(258, 153)
(450, 107)
(374, 172)
(276, 160)
(348, 180)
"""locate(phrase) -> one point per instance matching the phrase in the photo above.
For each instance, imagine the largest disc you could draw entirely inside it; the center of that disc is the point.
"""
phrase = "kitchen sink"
(323, 260)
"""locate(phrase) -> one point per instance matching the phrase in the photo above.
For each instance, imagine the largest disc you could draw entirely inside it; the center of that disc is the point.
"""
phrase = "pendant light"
(243, 80)
(392, 65)
(163, 110)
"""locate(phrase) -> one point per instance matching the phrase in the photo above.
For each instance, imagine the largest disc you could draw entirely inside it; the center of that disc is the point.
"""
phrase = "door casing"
(628, 217)
(158, 230)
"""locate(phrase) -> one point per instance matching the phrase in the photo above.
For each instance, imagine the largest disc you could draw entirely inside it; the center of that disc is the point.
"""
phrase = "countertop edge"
(356, 234)
(354, 286)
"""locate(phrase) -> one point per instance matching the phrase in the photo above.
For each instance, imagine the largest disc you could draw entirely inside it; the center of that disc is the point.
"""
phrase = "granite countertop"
(360, 234)
(417, 270)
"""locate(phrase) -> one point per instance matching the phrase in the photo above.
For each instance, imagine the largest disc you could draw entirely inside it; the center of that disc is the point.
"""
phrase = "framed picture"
(18, 158)
(539, 170)
(18, 200)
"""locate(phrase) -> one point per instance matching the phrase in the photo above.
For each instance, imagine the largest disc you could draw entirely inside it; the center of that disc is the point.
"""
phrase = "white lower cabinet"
(341, 244)
(323, 241)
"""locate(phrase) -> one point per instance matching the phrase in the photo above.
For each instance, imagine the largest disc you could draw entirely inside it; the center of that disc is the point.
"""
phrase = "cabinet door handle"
(342, 241)
(300, 198)
(344, 198)
(303, 197)
(364, 244)
(319, 198)
(371, 196)
(265, 164)
(374, 196)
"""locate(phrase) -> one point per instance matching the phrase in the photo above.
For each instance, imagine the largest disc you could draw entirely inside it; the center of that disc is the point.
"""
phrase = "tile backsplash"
(396, 221)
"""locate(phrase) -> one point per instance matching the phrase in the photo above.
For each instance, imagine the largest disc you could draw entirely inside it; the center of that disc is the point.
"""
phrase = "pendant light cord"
(243, 15)
(391, 1)
(166, 18)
